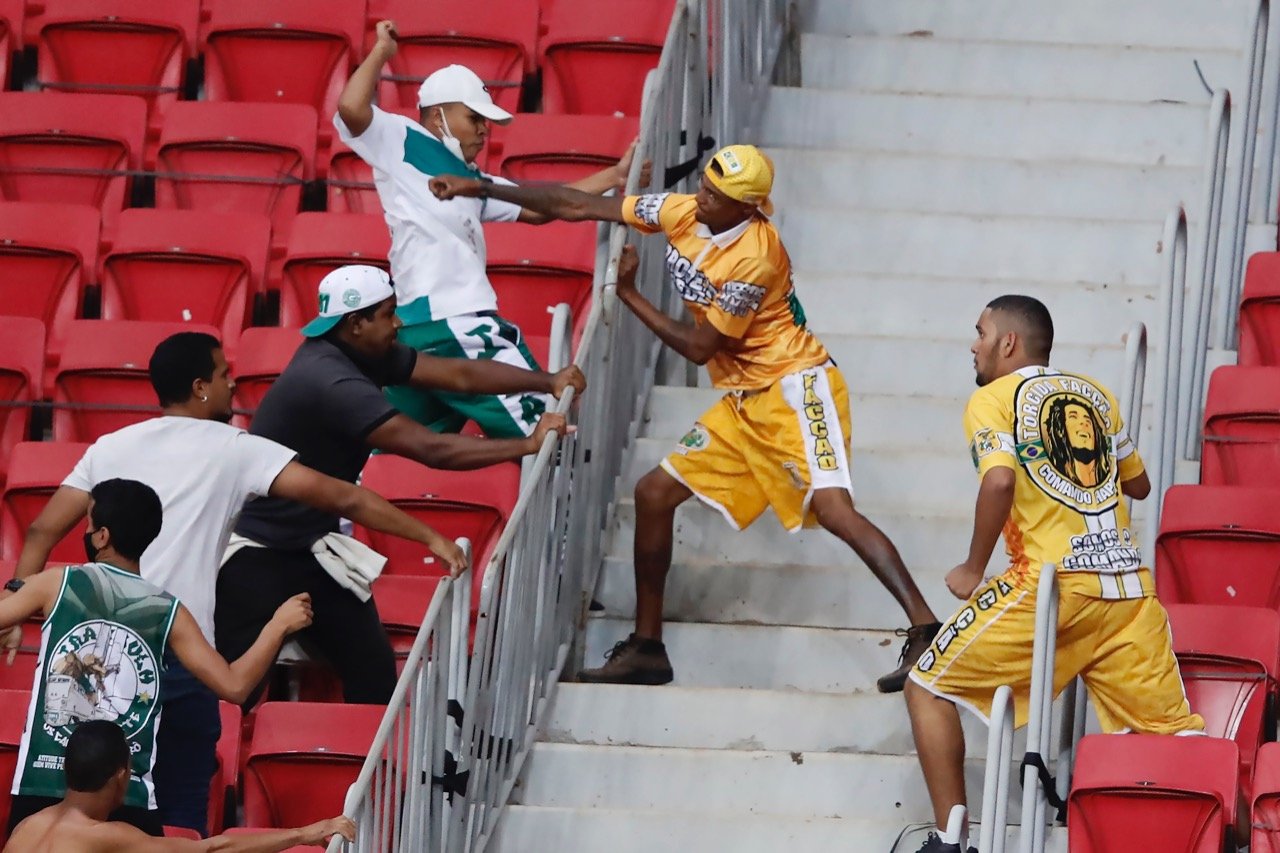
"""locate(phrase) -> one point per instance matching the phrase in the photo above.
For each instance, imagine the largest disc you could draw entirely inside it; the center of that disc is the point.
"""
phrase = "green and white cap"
(348, 289)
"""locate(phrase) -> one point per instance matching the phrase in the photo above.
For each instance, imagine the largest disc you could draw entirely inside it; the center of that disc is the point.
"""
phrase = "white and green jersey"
(101, 653)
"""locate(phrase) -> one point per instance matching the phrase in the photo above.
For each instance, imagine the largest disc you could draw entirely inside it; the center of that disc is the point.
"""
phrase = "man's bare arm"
(60, 515)
(1138, 487)
(552, 202)
(406, 437)
(355, 104)
(486, 376)
(995, 500)
(118, 837)
(696, 343)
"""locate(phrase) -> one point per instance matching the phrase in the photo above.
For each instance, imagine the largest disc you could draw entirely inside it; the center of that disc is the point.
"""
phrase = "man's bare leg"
(935, 725)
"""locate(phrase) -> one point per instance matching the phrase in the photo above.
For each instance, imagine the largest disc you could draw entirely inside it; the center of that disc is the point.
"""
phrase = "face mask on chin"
(451, 142)
(90, 551)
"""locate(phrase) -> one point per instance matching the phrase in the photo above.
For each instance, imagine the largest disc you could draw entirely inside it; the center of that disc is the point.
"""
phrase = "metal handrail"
(1172, 302)
(1040, 711)
(995, 787)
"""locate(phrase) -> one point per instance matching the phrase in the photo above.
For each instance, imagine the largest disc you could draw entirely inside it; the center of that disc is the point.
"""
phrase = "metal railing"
(1173, 292)
(995, 788)
(536, 589)
(1035, 800)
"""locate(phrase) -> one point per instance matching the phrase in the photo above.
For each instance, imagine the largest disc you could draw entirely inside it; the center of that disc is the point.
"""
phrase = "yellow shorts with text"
(772, 447)
(1121, 649)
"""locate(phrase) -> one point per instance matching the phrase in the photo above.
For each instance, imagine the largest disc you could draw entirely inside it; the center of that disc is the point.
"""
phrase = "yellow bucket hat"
(745, 174)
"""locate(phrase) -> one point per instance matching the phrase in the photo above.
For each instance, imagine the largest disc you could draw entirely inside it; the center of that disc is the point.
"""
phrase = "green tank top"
(101, 653)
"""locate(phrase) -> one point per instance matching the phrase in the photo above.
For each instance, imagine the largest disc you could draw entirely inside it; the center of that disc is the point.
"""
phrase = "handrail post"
(1172, 298)
(995, 788)
(1040, 716)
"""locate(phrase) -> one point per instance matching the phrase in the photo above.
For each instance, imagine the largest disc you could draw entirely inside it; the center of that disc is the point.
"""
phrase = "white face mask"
(450, 141)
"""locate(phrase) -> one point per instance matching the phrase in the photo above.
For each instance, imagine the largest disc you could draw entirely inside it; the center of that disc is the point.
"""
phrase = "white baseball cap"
(348, 289)
(457, 84)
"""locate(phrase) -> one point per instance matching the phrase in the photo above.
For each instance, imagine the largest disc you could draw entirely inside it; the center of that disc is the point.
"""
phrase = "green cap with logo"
(348, 289)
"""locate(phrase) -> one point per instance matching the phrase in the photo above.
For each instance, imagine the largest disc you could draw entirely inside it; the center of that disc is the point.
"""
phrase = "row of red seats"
(594, 56)
(178, 266)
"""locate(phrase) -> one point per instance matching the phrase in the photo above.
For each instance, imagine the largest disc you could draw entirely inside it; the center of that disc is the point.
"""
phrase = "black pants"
(186, 748)
(25, 806)
(346, 630)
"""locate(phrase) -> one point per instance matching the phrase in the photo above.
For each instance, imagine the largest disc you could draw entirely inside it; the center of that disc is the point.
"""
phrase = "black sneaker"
(934, 844)
(918, 639)
(635, 660)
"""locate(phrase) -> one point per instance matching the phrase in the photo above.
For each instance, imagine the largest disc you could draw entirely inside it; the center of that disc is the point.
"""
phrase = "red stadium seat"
(474, 504)
(10, 37)
(264, 353)
(102, 46)
(349, 180)
(302, 759)
(282, 52)
(181, 832)
(595, 56)
(402, 605)
(51, 250)
(318, 244)
(1260, 312)
(535, 267)
(14, 705)
(494, 39)
(71, 148)
(21, 380)
(105, 365)
(187, 266)
(1242, 428)
(226, 779)
(237, 158)
(36, 470)
(1230, 658)
(1265, 801)
(560, 148)
(1219, 545)
(1175, 794)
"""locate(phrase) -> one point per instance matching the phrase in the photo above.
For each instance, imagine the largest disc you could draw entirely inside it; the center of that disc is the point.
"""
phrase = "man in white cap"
(328, 407)
(437, 248)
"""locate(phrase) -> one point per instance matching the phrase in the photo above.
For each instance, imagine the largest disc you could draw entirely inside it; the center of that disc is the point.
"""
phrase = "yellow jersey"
(1063, 435)
(739, 281)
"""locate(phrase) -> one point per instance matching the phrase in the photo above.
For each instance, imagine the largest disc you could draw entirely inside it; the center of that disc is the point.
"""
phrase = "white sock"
(957, 829)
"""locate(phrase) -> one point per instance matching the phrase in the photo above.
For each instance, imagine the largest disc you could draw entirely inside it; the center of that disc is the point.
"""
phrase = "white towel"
(350, 562)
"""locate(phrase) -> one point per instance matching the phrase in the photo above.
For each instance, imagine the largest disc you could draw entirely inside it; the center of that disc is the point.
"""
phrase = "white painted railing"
(1173, 284)
(1035, 799)
(536, 587)
(995, 788)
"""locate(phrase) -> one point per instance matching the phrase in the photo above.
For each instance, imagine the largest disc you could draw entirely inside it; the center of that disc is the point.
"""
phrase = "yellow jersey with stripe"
(1063, 435)
(739, 281)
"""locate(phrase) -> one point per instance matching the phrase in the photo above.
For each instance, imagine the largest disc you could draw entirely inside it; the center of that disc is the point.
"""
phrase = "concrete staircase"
(936, 156)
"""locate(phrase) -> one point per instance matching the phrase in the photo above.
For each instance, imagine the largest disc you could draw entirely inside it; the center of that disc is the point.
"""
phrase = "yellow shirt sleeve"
(1128, 462)
(988, 424)
(654, 212)
(738, 300)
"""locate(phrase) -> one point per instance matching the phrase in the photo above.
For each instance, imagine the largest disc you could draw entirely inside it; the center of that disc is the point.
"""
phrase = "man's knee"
(834, 509)
(658, 491)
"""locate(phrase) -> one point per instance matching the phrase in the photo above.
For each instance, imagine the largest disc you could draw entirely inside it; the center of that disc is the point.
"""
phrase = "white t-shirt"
(437, 247)
(203, 472)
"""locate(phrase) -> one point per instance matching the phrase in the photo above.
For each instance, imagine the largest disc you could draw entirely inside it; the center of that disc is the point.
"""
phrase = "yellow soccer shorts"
(1122, 650)
(773, 447)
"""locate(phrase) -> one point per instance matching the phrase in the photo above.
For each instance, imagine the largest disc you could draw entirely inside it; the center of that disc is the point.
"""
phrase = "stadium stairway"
(936, 156)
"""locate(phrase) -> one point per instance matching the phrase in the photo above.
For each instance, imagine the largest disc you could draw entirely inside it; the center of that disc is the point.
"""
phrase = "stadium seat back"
(1242, 427)
(21, 380)
(595, 56)
(70, 148)
(1265, 800)
(560, 149)
(320, 243)
(13, 720)
(402, 605)
(1230, 658)
(302, 759)
(186, 266)
(236, 158)
(95, 46)
(11, 14)
(264, 352)
(36, 470)
(105, 366)
(534, 268)
(226, 778)
(1176, 794)
(473, 504)
(1260, 312)
(1219, 545)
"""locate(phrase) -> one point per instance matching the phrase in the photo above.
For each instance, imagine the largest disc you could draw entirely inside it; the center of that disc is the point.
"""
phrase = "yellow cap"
(747, 175)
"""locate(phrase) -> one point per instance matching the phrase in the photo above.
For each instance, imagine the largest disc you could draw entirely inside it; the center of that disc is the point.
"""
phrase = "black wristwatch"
(485, 183)
(14, 584)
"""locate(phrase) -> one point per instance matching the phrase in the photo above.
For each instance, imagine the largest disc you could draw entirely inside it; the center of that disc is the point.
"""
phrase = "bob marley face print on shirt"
(1062, 431)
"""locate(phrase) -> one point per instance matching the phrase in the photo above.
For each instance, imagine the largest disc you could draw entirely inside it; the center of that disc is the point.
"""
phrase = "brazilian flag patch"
(1030, 451)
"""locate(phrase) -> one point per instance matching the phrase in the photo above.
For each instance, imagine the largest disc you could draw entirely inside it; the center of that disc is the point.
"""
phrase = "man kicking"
(1055, 462)
(779, 437)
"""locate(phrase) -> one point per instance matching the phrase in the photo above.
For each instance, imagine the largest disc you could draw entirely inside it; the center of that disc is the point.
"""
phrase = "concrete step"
(768, 657)
(718, 718)
(940, 65)
(935, 183)
(1022, 129)
(1185, 24)
(1015, 249)
(693, 781)
(568, 830)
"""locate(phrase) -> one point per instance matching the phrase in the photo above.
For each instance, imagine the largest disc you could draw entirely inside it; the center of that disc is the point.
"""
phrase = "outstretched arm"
(696, 343)
(486, 376)
(552, 202)
(117, 836)
(355, 104)
(612, 178)
(406, 437)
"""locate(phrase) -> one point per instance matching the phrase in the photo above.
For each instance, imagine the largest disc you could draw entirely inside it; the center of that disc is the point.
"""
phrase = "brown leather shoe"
(918, 639)
(635, 660)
